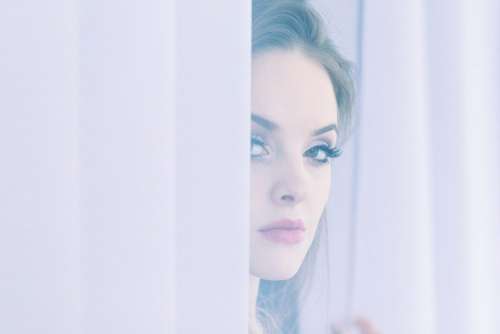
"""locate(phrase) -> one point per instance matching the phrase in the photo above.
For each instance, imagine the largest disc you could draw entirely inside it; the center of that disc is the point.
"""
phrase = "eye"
(322, 153)
(258, 147)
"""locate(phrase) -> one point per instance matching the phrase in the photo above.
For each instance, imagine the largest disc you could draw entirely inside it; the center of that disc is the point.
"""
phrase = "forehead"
(292, 90)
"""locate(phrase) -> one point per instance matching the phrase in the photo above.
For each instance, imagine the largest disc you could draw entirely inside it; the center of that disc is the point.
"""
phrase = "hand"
(360, 325)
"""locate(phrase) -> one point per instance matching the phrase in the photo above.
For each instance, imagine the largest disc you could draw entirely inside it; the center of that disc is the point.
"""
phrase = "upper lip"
(284, 224)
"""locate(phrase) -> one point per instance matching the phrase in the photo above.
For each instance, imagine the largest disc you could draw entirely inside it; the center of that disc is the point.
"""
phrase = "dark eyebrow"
(327, 128)
(264, 122)
(270, 125)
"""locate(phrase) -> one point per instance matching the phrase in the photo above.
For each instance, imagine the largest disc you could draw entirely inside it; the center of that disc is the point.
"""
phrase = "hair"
(291, 25)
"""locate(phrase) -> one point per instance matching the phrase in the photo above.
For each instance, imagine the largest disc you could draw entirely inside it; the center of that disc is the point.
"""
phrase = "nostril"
(289, 198)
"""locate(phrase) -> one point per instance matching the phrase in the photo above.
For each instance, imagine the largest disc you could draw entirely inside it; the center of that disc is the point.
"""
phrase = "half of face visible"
(294, 119)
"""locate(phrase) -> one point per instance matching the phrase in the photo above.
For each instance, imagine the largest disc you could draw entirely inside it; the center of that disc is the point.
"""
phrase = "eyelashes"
(325, 151)
(319, 154)
(258, 147)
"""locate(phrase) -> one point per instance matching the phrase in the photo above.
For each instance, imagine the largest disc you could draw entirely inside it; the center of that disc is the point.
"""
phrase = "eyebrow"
(270, 125)
(265, 123)
(324, 129)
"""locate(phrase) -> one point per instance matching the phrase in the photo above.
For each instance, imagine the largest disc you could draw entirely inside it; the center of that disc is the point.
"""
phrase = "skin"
(295, 93)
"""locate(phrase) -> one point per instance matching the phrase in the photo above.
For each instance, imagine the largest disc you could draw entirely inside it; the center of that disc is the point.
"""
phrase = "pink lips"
(284, 231)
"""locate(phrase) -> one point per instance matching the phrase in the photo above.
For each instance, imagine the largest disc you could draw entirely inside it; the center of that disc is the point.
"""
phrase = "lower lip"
(284, 236)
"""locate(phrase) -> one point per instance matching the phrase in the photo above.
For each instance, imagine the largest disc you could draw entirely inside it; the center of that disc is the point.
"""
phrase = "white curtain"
(212, 164)
(124, 137)
(415, 207)
(39, 224)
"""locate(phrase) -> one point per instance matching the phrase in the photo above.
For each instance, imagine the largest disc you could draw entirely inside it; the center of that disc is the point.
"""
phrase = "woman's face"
(294, 118)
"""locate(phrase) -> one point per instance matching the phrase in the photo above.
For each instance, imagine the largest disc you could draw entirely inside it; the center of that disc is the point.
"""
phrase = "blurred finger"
(366, 326)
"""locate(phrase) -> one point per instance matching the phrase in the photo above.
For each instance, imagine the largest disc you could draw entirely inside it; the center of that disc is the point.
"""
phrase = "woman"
(302, 97)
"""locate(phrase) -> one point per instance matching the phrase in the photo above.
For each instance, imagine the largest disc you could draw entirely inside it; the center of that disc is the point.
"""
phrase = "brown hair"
(288, 25)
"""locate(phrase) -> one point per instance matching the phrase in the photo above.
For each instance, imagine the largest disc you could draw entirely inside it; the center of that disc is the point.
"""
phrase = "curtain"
(212, 166)
(415, 207)
(124, 173)
(39, 223)
(124, 130)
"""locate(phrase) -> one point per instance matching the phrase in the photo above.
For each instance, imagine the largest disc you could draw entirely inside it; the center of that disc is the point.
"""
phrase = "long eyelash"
(333, 152)
(258, 141)
(330, 152)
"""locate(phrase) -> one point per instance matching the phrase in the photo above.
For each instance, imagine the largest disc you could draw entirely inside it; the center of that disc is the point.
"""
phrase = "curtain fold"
(39, 219)
(124, 115)
(423, 240)
(212, 192)
(170, 150)
(124, 137)
(394, 258)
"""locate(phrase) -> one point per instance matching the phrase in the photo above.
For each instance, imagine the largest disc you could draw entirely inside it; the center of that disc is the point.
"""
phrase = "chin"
(282, 276)
(278, 272)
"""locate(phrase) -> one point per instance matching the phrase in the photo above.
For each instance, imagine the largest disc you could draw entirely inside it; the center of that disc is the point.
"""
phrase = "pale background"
(419, 189)
(120, 118)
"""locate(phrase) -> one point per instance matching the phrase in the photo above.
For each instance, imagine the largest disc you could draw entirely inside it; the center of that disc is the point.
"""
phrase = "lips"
(285, 231)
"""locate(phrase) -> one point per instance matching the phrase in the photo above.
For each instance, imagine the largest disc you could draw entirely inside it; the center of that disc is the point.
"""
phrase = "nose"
(289, 188)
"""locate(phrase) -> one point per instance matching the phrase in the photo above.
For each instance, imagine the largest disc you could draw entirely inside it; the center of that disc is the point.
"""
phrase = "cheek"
(321, 190)
(258, 190)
